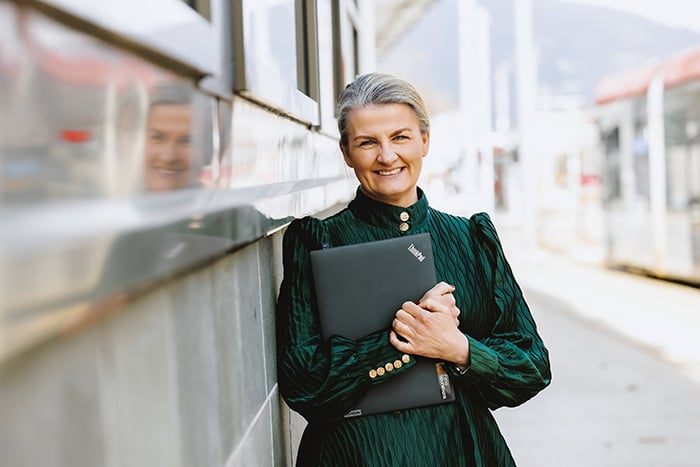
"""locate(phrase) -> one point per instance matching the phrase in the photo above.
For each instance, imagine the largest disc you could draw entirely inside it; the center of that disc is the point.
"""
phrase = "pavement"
(661, 316)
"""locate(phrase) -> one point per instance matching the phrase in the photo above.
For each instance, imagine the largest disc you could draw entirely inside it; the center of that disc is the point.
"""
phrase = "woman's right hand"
(430, 328)
(441, 299)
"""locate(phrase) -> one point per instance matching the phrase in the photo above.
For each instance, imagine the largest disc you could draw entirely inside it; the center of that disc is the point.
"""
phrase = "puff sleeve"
(509, 365)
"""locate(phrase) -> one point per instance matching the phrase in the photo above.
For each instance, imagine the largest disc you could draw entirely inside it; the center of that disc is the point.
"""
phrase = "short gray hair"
(171, 92)
(378, 89)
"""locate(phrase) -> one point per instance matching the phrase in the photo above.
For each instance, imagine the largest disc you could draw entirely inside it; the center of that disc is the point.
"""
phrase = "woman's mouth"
(163, 171)
(389, 173)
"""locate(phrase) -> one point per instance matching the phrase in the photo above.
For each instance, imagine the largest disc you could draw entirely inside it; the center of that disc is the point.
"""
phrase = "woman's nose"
(386, 154)
(169, 152)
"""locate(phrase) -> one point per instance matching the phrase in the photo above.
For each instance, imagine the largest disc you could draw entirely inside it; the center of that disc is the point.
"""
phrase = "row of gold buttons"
(403, 226)
(388, 367)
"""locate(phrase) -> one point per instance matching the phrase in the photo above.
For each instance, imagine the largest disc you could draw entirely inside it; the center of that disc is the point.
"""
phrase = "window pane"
(270, 36)
(611, 148)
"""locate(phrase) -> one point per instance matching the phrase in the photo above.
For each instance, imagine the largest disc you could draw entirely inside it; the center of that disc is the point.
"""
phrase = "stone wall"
(184, 375)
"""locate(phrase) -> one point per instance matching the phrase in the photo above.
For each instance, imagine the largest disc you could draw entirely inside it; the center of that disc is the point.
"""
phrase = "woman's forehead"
(385, 117)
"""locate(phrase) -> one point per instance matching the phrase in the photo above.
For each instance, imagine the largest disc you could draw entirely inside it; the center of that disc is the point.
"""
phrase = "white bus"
(649, 120)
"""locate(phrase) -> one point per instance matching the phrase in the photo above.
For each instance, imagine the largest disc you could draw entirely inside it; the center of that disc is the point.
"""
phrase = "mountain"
(576, 46)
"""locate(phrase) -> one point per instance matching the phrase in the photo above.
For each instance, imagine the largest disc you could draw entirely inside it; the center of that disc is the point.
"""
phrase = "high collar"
(405, 221)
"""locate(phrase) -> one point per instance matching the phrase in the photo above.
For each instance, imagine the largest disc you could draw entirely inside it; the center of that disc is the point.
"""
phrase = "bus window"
(611, 149)
(640, 152)
(694, 174)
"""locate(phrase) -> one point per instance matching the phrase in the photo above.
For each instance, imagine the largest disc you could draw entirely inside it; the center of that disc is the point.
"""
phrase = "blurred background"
(153, 152)
(522, 99)
(575, 124)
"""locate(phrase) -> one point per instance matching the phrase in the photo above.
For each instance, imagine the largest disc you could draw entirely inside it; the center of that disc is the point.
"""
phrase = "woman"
(475, 317)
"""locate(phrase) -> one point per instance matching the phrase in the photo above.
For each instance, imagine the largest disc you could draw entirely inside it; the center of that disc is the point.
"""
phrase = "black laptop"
(359, 288)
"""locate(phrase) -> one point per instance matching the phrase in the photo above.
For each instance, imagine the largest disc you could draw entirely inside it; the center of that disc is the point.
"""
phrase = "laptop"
(359, 288)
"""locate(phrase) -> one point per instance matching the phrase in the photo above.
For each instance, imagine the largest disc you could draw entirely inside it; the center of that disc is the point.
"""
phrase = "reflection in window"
(177, 137)
(167, 149)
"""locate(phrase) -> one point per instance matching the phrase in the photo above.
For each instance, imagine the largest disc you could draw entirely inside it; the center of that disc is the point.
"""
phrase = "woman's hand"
(441, 299)
(430, 328)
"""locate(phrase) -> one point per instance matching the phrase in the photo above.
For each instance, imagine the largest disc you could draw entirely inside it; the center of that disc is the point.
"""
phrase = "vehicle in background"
(649, 124)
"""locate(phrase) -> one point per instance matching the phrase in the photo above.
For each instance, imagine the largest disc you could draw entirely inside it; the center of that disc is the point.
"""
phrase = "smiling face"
(385, 148)
(168, 154)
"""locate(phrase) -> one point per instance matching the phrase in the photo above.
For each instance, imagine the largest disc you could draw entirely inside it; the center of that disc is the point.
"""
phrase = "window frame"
(252, 81)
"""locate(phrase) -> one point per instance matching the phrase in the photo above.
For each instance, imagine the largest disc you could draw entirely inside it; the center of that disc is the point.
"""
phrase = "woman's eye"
(400, 137)
(366, 143)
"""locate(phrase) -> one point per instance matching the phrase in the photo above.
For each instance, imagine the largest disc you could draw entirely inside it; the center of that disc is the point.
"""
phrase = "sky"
(679, 13)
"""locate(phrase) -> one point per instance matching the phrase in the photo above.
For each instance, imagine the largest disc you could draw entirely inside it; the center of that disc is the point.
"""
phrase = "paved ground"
(611, 403)
(659, 315)
(626, 365)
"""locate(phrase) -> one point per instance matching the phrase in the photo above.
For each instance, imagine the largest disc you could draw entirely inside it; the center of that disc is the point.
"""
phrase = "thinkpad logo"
(416, 252)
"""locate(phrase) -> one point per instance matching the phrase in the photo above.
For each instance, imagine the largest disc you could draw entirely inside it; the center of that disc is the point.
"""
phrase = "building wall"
(185, 375)
(137, 328)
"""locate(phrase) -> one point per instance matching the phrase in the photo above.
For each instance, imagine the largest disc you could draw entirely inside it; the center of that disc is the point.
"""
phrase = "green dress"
(322, 380)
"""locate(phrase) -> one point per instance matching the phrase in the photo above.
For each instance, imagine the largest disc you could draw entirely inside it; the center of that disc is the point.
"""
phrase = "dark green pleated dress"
(509, 362)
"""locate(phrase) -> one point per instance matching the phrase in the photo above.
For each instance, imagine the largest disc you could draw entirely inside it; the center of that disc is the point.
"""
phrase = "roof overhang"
(394, 17)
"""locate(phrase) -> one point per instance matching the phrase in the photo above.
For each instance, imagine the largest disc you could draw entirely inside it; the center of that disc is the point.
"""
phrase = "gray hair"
(171, 92)
(378, 89)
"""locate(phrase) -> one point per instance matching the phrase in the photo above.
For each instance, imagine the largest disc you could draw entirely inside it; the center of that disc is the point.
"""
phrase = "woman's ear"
(346, 154)
(426, 142)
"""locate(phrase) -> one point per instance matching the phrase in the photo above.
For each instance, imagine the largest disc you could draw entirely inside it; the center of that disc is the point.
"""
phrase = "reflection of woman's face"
(386, 150)
(168, 154)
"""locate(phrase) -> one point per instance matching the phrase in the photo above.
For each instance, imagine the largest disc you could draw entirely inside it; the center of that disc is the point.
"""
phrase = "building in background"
(446, 55)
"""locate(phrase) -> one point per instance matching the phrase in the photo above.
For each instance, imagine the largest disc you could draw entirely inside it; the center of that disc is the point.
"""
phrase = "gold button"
(389, 366)
(403, 227)
(380, 371)
(404, 216)
(372, 373)
(405, 358)
(397, 364)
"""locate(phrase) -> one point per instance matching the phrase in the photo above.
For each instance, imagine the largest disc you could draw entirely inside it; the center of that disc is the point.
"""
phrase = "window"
(346, 44)
(611, 151)
(640, 154)
(307, 48)
(277, 58)
(682, 133)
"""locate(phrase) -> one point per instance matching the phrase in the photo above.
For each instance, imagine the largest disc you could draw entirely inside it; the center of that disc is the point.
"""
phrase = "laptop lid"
(359, 288)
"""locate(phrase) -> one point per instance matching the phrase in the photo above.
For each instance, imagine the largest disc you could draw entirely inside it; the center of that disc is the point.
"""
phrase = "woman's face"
(168, 153)
(386, 149)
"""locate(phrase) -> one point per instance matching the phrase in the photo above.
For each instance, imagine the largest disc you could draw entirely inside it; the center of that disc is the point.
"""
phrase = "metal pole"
(526, 79)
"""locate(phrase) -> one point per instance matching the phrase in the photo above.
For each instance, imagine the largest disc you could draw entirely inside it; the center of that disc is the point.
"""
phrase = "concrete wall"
(185, 375)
